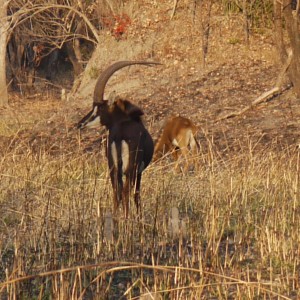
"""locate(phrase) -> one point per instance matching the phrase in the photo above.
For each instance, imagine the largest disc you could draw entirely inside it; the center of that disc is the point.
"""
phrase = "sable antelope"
(177, 136)
(129, 144)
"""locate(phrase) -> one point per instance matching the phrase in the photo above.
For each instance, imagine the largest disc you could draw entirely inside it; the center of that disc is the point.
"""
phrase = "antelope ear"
(112, 97)
(132, 110)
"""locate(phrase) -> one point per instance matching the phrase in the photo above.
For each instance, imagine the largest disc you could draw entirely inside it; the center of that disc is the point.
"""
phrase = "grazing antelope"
(177, 136)
(129, 144)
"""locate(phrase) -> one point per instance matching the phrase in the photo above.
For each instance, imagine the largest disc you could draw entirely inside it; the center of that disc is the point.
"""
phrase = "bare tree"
(202, 11)
(53, 23)
(205, 24)
(4, 31)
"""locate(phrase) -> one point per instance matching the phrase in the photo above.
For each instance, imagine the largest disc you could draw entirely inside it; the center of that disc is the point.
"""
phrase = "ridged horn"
(107, 73)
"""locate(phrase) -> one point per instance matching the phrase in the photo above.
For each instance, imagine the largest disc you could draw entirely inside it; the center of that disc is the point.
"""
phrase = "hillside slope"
(234, 75)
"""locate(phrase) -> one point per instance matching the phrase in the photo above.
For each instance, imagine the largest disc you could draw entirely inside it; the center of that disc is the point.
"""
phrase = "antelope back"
(127, 109)
(178, 132)
(108, 115)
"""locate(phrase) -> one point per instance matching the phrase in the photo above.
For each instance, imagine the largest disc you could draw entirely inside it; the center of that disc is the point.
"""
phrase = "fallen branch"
(174, 8)
(276, 90)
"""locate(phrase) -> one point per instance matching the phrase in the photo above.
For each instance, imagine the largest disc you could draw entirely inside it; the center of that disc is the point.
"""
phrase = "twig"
(174, 8)
(110, 6)
(276, 90)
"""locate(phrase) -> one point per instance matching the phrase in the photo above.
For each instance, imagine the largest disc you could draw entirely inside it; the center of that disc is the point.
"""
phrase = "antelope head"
(107, 113)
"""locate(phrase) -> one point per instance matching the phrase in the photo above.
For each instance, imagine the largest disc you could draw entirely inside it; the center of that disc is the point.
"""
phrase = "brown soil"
(235, 74)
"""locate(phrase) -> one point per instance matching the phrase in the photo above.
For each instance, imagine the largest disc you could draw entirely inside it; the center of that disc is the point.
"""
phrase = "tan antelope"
(178, 138)
(129, 144)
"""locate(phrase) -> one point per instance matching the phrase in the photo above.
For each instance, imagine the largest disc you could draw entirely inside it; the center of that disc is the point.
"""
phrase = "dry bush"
(240, 238)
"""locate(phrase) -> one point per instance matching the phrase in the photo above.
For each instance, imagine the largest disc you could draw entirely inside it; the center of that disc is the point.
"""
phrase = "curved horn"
(106, 74)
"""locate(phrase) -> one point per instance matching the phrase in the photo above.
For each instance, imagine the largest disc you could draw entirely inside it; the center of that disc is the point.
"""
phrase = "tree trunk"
(77, 67)
(292, 19)
(205, 19)
(278, 32)
(4, 27)
(284, 14)
(246, 21)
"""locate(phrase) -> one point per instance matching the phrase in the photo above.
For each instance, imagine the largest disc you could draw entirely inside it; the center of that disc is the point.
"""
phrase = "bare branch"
(110, 6)
(81, 15)
(174, 8)
(297, 8)
(26, 13)
(6, 3)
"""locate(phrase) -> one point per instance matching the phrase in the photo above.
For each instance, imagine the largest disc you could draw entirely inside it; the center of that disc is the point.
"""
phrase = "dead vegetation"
(236, 233)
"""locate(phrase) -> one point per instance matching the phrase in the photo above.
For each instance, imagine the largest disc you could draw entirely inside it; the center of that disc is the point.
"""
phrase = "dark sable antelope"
(177, 137)
(129, 145)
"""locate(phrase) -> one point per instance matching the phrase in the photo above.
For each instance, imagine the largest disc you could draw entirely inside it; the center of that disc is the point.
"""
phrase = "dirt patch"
(235, 74)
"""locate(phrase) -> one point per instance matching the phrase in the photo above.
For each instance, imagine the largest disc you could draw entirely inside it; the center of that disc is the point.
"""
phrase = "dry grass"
(239, 212)
(240, 238)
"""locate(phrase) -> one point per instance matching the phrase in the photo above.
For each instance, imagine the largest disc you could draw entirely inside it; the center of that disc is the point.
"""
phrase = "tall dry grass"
(239, 237)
